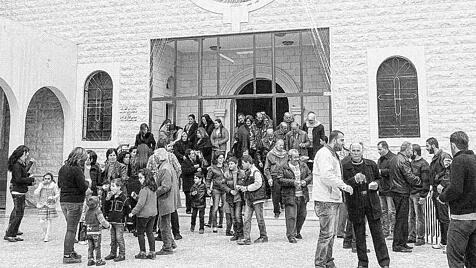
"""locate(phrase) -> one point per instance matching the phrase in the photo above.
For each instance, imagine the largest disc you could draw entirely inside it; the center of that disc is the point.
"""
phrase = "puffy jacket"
(215, 178)
(294, 139)
(117, 208)
(384, 167)
(256, 187)
(198, 199)
(286, 179)
(401, 175)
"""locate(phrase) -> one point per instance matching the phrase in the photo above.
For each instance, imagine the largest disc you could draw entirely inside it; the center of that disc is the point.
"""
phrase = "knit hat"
(92, 202)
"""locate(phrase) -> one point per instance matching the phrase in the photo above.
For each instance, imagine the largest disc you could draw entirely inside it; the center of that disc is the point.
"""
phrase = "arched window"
(97, 116)
(397, 99)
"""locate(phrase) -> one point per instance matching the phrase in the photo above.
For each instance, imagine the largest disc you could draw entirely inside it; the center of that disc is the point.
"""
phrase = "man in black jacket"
(402, 178)
(461, 195)
(315, 132)
(362, 174)
(386, 200)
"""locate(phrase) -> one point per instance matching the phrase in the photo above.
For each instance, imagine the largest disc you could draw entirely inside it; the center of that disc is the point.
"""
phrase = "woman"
(207, 124)
(219, 138)
(215, 180)
(73, 180)
(166, 128)
(203, 144)
(145, 136)
(19, 164)
(95, 172)
(181, 146)
(113, 169)
(189, 167)
(124, 158)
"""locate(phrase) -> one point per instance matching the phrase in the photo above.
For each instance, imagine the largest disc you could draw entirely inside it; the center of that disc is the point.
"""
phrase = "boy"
(198, 193)
(94, 219)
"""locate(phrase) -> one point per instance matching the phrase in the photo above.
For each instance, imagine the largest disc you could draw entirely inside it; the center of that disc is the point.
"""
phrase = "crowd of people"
(138, 189)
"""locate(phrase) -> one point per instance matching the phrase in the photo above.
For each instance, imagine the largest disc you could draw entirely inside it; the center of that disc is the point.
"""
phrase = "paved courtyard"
(207, 250)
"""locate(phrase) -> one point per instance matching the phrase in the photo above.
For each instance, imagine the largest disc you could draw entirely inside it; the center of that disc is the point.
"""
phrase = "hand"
(421, 200)
(131, 215)
(302, 145)
(270, 182)
(373, 186)
(360, 178)
(440, 188)
(233, 192)
(33, 160)
(348, 189)
(105, 187)
(322, 142)
(303, 183)
(194, 192)
(134, 194)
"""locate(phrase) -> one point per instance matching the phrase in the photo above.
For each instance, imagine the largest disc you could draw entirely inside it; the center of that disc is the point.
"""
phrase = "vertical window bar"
(151, 79)
(273, 77)
(174, 92)
(200, 70)
(218, 65)
(301, 78)
(254, 64)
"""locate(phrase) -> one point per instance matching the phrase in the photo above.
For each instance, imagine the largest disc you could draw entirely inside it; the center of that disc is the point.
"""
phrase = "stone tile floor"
(207, 250)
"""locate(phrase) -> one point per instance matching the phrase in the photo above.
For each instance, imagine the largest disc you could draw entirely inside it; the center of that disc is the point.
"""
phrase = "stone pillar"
(297, 112)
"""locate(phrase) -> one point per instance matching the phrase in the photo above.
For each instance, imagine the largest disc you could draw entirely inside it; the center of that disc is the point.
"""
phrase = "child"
(94, 219)
(146, 210)
(198, 193)
(117, 207)
(48, 194)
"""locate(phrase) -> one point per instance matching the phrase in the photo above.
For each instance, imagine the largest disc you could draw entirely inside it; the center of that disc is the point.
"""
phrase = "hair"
(293, 151)
(247, 158)
(405, 146)
(233, 159)
(283, 124)
(334, 134)
(208, 119)
(118, 181)
(249, 117)
(384, 144)
(161, 143)
(240, 114)
(142, 157)
(110, 151)
(93, 157)
(164, 123)
(132, 149)
(192, 116)
(360, 143)
(203, 132)
(432, 141)
(460, 139)
(143, 126)
(149, 179)
(417, 149)
(215, 157)
(51, 175)
(187, 152)
(218, 120)
(122, 155)
(77, 157)
(19, 151)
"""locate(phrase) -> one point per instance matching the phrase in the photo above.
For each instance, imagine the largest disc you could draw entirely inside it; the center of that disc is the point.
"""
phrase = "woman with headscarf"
(145, 136)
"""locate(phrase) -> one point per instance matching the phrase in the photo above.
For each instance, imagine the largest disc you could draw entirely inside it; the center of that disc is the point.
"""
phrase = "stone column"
(296, 111)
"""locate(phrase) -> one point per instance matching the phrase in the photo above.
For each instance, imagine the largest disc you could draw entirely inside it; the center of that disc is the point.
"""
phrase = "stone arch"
(6, 98)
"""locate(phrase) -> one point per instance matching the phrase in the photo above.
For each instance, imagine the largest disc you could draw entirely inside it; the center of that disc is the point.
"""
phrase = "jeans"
(218, 202)
(237, 218)
(461, 249)
(94, 244)
(72, 213)
(201, 217)
(442, 215)
(377, 237)
(349, 235)
(295, 216)
(188, 201)
(417, 219)
(276, 197)
(117, 239)
(166, 232)
(342, 219)
(400, 235)
(145, 225)
(258, 209)
(388, 215)
(327, 214)
(174, 220)
(17, 214)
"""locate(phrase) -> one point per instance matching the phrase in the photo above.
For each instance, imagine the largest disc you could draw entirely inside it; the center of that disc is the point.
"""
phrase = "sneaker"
(164, 252)
(419, 243)
(75, 255)
(141, 256)
(192, 229)
(230, 233)
(70, 259)
(245, 242)
(177, 237)
(100, 262)
(208, 225)
(261, 240)
(91, 262)
(10, 239)
(276, 215)
(201, 231)
(407, 246)
(119, 258)
(110, 257)
(298, 236)
(151, 255)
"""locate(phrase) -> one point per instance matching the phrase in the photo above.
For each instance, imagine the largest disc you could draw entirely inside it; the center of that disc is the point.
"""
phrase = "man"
(255, 195)
(327, 183)
(288, 118)
(242, 138)
(363, 175)
(418, 194)
(385, 195)
(275, 159)
(436, 167)
(167, 189)
(257, 131)
(280, 133)
(191, 129)
(297, 139)
(461, 195)
(402, 178)
(315, 133)
(294, 178)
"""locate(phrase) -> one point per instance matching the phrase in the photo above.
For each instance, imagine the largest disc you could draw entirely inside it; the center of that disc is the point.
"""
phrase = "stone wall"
(4, 140)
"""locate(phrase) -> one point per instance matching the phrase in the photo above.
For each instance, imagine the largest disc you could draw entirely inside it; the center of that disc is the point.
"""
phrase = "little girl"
(146, 210)
(94, 220)
(48, 194)
(198, 193)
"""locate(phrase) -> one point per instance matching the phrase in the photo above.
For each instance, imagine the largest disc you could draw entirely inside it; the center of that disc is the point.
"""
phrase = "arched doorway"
(252, 106)
(44, 132)
(4, 143)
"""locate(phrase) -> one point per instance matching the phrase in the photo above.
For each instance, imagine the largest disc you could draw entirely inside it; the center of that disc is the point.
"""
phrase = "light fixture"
(288, 43)
(214, 48)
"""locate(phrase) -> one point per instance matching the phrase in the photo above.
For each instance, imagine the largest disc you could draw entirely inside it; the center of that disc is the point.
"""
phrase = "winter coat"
(198, 198)
(256, 188)
(179, 149)
(72, 183)
(287, 178)
(146, 204)
(216, 177)
(95, 174)
(188, 171)
(219, 139)
(242, 140)
(401, 175)
(43, 193)
(117, 208)
(167, 191)
(191, 131)
(294, 139)
(274, 160)
(436, 167)
(421, 169)
(384, 167)
(147, 139)
(118, 171)
(318, 134)
(20, 177)
(230, 184)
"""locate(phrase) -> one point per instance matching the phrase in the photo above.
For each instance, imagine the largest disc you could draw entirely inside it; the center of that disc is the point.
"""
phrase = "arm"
(57, 192)
(327, 175)
(308, 176)
(285, 177)
(425, 180)
(456, 187)
(226, 136)
(141, 202)
(80, 180)
(209, 179)
(166, 183)
(17, 175)
(38, 189)
(123, 172)
(257, 183)
(267, 168)
(102, 220)
(406, 170)
(306, 142)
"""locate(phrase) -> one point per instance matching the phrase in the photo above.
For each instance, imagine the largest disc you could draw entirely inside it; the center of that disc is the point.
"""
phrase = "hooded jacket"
(94, 218)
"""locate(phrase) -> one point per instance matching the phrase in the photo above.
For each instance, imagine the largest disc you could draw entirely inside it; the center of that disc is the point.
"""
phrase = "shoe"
(120, 258)
(10, 239)
(386, 266)
(91, 262)
(141, 256)
(100, 262)
(347, 245)
(230, 233)
(70, 259)
(298, 236)
(208, 225)
(19, 233)
(292, 240)
(177, 237)
(407, 246)
(419, 243)
(244, 242)
(151, 256)
(402, 249)
(234, 238)
(164, 252)
(75, 255)
(19, 239)
(411, 240)
(158, 238)
(215, 229)
(276, 215)
(110, 257)
(174, 246)
(220, 226)
(192, 228)
(438, 246)
(201, 231)
(261, 240)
